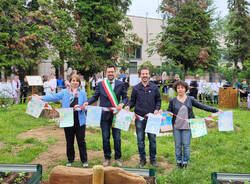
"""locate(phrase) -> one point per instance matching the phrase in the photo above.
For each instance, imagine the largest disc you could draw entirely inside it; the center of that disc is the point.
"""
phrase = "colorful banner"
(123, 119)
(166, 122)
(226, 121)
(198, 127)
(35, 107)
(153, 123)
(94, 114)
(66, 117)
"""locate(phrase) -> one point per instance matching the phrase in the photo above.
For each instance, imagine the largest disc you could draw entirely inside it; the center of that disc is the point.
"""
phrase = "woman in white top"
(46, 86)
(53, 83)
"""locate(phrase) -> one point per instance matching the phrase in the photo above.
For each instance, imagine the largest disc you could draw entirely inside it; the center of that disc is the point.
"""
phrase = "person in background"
(6, 91)
(24, 90)
(193, 91)
(16, 85)
(66, 82)
(164, 77)
(46, 87)
(182, 107)
(9, 90)
(215, 94)
(52, 83)
(116, 90)
(82, 83)
(243, 89)
(73, 97)
(177, 77)
(60, 83)
(93, 81)
(126, 81)
(146, 99)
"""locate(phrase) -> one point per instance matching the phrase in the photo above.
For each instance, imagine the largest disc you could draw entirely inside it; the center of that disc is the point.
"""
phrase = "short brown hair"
(144, 68)
(77, 77)
(180, 83)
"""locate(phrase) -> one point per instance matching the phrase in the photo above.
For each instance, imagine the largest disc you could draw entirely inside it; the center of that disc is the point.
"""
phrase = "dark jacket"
(145, 101)
(120, 92)
(24, 87)
(175, 105)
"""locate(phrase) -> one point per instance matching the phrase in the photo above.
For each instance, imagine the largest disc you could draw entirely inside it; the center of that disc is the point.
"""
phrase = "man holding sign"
(146, 99)
(110, 92)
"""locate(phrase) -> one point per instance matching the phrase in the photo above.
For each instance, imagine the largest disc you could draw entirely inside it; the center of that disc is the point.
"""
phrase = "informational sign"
(133, 79)
(94, 114)
(198, 127)
(226, 121)
(66, 117)
(153, 123)
(35, 107)
(123, 119)
(34, 80)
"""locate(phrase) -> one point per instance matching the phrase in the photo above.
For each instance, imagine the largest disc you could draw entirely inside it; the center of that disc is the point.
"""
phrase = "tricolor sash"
(111, 95)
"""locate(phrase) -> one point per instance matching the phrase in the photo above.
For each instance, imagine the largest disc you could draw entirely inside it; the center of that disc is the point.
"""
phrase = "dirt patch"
(16, 149)
(57, 151)
(43, 133)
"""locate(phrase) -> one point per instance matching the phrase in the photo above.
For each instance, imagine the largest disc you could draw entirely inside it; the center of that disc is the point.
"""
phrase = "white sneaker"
(118, 162)
(85, 164)
(68, 164)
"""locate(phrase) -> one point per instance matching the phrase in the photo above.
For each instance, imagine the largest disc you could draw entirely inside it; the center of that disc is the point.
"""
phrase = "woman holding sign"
(73, 97)
(182, 108)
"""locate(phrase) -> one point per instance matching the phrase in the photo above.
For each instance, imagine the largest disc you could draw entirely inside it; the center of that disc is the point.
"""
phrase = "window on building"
(135, 54)
(133, 67)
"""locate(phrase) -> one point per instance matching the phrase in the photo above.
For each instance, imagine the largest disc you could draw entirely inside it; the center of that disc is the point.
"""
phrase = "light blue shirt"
(64, 95)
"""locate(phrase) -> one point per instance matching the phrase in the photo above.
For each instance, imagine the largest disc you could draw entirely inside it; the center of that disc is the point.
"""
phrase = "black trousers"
(23, 97)
(79, 132)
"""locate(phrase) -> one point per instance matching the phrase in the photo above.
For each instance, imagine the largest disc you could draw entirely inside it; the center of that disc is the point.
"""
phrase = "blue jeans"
(105, 126)
(140, 132)
(182, 139)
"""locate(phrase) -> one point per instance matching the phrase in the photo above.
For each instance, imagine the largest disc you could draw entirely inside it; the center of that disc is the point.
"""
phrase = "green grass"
(14, 121)
(215, 152)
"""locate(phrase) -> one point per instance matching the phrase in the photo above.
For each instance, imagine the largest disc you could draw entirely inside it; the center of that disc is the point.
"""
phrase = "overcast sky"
(141, 7)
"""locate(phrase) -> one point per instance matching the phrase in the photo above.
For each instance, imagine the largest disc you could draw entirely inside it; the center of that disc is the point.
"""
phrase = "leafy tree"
(188, 38)
(62, 25)
(100, 34)
(22, 39)
(238, 33)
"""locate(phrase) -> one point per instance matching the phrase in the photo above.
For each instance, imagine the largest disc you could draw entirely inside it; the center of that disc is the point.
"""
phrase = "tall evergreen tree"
(238, 33)
(188, 37)
(100, 33)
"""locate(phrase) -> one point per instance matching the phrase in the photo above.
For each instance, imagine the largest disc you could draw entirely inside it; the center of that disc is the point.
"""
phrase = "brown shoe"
(106, 163)
(118, 162)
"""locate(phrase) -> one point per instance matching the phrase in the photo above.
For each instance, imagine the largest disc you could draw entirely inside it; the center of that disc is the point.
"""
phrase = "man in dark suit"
(107, 117)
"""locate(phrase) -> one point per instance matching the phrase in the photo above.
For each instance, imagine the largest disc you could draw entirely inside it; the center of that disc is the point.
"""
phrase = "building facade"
(146, 28)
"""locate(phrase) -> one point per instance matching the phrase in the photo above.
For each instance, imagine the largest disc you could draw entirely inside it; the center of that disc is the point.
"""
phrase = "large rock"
(112, 175)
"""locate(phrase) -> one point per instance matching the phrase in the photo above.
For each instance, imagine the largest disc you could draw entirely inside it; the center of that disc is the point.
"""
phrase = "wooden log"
(115, 175)
(98, 174)
(112, 175)
(70, 175)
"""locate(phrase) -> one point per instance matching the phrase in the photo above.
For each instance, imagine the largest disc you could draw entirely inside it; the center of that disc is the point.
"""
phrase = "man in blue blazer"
(107, 117)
